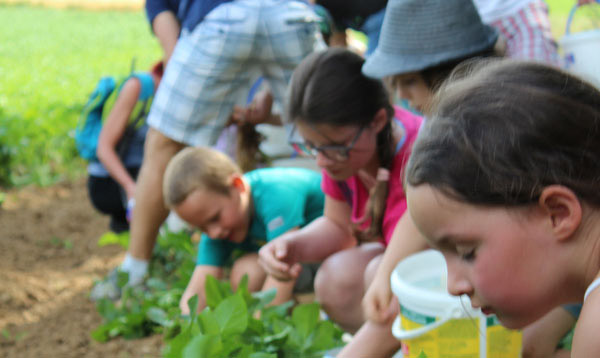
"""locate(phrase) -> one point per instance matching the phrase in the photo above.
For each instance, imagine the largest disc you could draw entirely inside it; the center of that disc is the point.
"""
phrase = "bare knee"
(332, 289)
(340, 279)
(248, 265)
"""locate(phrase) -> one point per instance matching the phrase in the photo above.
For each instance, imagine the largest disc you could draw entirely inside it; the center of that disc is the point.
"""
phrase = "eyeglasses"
(337, 153)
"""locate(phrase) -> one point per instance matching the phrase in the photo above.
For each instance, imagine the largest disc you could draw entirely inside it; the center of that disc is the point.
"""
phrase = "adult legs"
(148, 214)
(150, 210)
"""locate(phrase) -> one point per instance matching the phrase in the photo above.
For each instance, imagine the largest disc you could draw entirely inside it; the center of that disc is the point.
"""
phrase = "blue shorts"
(213, 67)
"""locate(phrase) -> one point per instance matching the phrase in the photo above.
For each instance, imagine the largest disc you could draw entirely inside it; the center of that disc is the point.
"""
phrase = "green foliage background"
(50, 60)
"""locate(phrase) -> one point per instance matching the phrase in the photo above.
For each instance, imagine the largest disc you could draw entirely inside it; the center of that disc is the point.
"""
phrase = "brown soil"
(49, 259)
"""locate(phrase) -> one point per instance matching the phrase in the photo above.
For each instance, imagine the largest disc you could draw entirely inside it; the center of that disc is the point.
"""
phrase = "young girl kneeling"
(362, 143)
(504, 180)
(238, 212)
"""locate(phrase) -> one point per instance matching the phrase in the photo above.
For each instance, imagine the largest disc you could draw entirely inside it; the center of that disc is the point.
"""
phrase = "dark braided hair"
(328, 87)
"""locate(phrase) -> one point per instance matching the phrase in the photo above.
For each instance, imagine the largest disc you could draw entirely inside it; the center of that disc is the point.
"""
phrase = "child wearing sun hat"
(422, 41)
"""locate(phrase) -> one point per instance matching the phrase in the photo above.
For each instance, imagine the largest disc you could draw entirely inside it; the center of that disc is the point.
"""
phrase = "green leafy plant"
(227, 327)
(111, 238)
(6, 334)
(61, 243)
(153, 307)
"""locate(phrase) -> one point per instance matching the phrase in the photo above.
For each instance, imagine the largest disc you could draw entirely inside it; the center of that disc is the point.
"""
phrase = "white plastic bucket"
(581, 52)
(434, 324)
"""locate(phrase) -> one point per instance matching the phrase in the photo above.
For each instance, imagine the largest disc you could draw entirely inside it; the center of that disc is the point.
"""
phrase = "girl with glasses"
(361, 142)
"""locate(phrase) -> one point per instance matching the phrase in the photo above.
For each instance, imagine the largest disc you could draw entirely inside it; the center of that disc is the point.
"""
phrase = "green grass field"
(50, 61)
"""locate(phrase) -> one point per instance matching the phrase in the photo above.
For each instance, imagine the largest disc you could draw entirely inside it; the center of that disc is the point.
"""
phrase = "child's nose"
(323, 161)
(458, 283)
(215, 231)
(402, 93)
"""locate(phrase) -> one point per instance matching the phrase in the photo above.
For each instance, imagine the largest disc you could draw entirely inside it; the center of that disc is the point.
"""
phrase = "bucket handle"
(401, 334)
(570, 18)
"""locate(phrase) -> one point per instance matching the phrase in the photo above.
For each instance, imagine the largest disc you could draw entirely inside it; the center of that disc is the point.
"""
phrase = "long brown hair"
(248, 153)
(328, 87)
(505, 130)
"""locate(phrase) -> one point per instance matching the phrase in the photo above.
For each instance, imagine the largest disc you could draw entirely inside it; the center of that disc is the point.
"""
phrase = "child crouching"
(238, 213)
(503, 180)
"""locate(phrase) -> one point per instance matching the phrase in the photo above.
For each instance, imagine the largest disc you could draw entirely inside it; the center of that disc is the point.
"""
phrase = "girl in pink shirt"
(346, 122)
(354, 191)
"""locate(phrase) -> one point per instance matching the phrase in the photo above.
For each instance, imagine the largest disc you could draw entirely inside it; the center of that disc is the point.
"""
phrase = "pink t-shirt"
(356, 195)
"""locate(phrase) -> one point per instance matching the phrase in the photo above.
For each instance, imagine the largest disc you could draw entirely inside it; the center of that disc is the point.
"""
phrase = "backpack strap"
(147, 85)
(146, 95)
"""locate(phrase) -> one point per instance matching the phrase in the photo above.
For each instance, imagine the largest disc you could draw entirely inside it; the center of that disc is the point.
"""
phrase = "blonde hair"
(197, 168)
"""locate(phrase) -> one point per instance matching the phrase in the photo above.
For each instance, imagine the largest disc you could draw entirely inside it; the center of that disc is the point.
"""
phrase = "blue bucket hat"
(418, 34)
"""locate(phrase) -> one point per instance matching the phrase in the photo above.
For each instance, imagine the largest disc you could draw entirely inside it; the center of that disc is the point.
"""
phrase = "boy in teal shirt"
(238, 213)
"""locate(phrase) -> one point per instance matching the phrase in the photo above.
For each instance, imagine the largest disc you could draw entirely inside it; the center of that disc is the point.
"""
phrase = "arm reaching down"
(406, 240)
(324, 236)
(196, 287)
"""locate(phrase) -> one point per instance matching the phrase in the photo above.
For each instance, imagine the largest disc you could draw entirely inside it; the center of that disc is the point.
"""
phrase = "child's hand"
(377, 301)
(130, 191)
(277, 259)
(183, 303)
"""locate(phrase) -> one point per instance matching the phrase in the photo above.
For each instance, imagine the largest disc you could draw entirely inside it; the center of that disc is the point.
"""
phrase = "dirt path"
(48, 262)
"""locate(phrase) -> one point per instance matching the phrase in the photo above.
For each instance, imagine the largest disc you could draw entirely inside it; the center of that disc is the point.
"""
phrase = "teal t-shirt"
(283, 198)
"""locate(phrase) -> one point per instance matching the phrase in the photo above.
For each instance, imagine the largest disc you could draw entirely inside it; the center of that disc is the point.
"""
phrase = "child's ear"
(563, 208)
(380, 120)
(237, 182)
